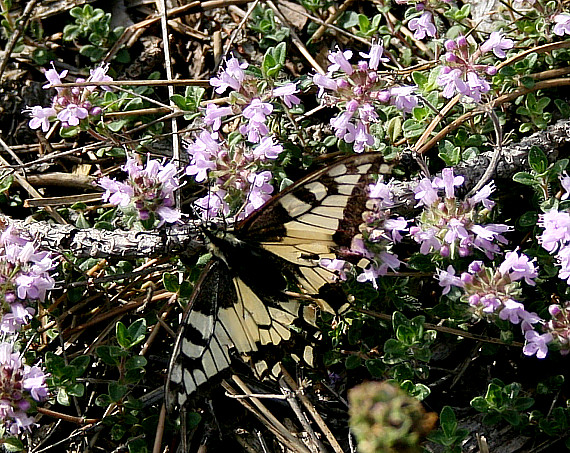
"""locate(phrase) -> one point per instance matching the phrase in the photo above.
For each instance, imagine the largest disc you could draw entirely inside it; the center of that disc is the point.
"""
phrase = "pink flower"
(339, 60)
(54, 78)
(375, 56)
(214, 115)
(287, 93)
(536, 343)
(451, 81)
(498, 44)
(423, 26)
(403, 98)
(41, 117)
(72, 114)
(562, 26)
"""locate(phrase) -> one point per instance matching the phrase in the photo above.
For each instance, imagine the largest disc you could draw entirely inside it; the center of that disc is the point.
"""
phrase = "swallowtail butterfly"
(239, 301)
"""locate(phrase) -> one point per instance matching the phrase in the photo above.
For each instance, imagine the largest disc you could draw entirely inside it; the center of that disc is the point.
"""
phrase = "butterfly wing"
(239, 300)
(223, 313)
(316, 216)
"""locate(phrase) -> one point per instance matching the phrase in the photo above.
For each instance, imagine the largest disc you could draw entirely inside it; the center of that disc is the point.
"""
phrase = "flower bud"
(554, 310)
(464, 251)
(474, 299)
(450, 45)
(352, 105)
(86, 105)
(383, 96)
(95, 111)
(461, 41)
(476, 266)
(144, 214)
(451, 58)
(491, 70)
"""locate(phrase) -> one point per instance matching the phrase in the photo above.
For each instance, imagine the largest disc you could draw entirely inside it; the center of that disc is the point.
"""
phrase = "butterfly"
(240, 302)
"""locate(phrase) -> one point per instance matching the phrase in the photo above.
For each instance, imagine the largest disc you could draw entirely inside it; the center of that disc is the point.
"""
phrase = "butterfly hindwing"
(224, 313)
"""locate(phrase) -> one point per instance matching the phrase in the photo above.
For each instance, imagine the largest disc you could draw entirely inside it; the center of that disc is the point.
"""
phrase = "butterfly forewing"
(316, 216)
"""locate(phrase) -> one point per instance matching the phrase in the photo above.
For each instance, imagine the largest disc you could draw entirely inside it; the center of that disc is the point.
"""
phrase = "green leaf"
(80, 364)
(528, 220)
(363, 23)
(352, 362)
(375, 367)
(420, 79)
(527, 82)
(12, 444)
(512, 416)
(349, 19)
(137, 331)
(110, 355)
(77, 389)
(103, 400)
(523, 403)
(448, 421)
(280, 53)
(193, 419)
(134, 334)
(479, 404)
(394, 128)
(186, 289)
(406, 335)
(525, 178)
(6, 183)
(171, 282)
(537, 159)
(123, 336)
(135, 362)
(563, 107)
(62, 397)
(137, 446)
(117, 391)
(118, 431)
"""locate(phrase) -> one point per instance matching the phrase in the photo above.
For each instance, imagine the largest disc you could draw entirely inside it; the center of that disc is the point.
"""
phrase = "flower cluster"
(248, 100)
(462, 72)
(237, 182)
(70, 105)
(556, 239)
(150, 189)
(496, 292)
(240, 171)
(24, 279)
(356, 89)
(452, 227)
(20, 385)
(377, 235)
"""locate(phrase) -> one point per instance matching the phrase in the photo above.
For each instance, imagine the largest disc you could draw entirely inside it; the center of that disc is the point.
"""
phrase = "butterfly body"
(239, 303)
